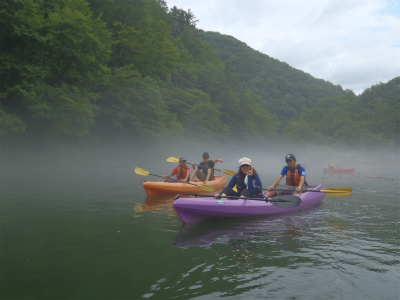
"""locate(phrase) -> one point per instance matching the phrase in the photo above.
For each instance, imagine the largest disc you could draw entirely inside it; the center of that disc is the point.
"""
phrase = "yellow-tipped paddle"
(334, 192)
(209, 188)
(337, 191)
(227, 172)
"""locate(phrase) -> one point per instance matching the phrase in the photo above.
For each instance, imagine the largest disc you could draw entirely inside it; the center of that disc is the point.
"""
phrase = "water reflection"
(246, 231)
(157, 204)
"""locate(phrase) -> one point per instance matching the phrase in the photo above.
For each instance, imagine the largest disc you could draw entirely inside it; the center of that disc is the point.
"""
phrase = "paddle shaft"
(174, 159)
(205, 166)
(284, 201)
(227, 172)
(244, 198)
(173, 179)
(334, 192)
(293, 190)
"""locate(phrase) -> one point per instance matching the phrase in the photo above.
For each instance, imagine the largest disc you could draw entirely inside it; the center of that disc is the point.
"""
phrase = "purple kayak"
(199, 209)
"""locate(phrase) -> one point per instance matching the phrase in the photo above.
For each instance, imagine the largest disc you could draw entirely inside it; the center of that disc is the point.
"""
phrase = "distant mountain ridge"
(280, 88)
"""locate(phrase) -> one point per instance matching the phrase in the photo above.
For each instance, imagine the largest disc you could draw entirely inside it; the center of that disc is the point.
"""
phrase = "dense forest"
(85, 68)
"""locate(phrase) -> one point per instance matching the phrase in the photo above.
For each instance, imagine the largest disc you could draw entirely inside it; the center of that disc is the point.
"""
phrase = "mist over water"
(76, 223)
(64, 163)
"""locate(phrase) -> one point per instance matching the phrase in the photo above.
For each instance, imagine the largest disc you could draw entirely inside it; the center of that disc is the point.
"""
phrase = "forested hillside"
(76, 68)
(373, 118)
(279, 88)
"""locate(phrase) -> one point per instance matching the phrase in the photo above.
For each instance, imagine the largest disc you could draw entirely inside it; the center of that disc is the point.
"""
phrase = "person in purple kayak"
(295, 177)
(246, 180)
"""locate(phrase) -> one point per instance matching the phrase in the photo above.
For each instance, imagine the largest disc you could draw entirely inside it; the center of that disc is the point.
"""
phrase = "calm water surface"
(94, 234)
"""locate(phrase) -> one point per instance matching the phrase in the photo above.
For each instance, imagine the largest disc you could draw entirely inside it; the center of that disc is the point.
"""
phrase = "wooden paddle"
(335, 192)
(176, 160)
(283, 201)
(209, 188)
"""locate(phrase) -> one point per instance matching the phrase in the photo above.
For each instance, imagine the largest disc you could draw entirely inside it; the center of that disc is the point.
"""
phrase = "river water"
(82, 227)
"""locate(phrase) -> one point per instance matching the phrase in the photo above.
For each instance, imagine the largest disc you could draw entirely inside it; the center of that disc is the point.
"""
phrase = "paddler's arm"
(254, 189)
(209, 172)
(230, 185)
(276, 182)
(217, 160)
(194, 172)
(302, 179)
(172, 173)
(187, 174)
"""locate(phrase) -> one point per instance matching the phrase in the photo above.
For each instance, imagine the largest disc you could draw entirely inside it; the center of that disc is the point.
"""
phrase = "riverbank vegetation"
(82, 69)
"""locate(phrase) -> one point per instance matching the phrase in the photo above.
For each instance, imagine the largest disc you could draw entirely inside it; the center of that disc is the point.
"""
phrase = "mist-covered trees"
(371, 118)
(53, 56)
(81, 68)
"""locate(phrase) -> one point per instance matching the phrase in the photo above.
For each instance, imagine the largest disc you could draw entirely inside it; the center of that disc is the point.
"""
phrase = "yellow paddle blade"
(334, 192)
(209, 188)
(173, 159)
(141, 171)
(347, 189)
(230, 173)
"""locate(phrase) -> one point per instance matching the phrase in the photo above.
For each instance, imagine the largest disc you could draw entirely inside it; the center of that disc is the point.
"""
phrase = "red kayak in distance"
(340, 170)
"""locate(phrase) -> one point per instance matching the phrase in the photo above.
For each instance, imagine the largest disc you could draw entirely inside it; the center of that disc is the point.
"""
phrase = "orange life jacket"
(181, 174)
(293, 178)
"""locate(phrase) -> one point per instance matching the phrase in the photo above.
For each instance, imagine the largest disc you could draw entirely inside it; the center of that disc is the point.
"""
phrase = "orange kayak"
(161, 187)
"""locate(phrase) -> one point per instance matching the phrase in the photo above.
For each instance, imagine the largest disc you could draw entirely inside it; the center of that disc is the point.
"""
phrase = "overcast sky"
(353, 43)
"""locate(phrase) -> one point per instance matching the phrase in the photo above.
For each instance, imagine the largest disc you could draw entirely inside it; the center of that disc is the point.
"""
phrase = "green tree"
(205, 121)
(54, 57)
(133, 105)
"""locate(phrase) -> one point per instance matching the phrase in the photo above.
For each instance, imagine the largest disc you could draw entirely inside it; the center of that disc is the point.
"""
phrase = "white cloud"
(354, 43)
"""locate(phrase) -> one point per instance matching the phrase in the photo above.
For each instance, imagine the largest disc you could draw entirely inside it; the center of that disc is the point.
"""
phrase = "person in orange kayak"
(205, 170)
(295, 176)
(182, 171)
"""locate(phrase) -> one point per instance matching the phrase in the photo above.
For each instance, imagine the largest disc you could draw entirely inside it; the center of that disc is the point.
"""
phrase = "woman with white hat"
(247, 181)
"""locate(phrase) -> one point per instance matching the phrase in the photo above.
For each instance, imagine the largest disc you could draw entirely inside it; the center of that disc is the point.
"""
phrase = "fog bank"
(86, 160)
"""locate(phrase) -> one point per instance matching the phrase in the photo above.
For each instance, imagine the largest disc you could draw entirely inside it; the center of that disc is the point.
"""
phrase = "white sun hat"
(244, 161)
